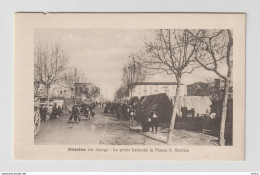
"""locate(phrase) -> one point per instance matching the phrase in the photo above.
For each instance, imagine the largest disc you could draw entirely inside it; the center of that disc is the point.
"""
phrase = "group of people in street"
(54, 113)
(79, 110)
(121, 111)
(149, 121)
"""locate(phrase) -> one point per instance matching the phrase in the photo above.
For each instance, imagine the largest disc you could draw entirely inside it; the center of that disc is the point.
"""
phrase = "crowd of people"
(137, 116)
(80, 110)
(53, 114)
(77, 111)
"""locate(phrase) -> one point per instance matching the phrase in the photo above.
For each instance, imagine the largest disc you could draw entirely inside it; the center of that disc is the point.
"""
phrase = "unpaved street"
(99, 130)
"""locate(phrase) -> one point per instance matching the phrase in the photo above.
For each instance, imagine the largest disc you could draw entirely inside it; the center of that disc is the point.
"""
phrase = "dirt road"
(99, 130)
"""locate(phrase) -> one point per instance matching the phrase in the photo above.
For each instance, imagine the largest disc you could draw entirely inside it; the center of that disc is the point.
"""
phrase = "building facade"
(149, 88)
(198, 89)
(214, 89)
(61, 91)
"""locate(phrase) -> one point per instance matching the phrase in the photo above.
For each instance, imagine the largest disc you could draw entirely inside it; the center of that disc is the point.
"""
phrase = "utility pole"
(132, 71)
(165, 87)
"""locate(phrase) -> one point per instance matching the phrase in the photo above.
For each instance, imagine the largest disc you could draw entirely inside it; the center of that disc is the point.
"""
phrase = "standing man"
(54, 111)
(131, 115)
(154, 122)
(44, 113)
(75, 114)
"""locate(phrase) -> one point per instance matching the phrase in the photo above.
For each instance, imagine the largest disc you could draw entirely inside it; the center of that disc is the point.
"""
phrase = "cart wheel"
(37, 122)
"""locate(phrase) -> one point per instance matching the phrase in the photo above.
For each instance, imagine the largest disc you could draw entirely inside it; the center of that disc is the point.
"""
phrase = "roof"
(157, 83)
(197, 83)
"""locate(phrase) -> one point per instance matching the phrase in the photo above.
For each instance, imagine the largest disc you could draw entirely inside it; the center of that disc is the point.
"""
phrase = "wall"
(170, 90)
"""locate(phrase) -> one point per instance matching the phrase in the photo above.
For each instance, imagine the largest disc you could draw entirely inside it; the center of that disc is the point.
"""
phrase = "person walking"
(75, 114)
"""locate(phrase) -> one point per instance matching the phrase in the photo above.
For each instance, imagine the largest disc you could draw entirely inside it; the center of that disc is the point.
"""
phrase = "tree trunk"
(224, 115)
(174, 112)
(48, 96)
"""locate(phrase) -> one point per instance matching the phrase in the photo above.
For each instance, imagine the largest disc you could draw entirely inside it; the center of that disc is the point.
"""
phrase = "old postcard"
(129, 86)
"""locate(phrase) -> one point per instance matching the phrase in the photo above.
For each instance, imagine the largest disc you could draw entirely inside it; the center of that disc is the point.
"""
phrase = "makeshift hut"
(133, 101)
(139, 103)
(159, 103)
(162, 105)
(145, 102)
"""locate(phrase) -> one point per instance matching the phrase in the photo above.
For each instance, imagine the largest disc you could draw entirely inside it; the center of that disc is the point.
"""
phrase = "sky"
(101, 54)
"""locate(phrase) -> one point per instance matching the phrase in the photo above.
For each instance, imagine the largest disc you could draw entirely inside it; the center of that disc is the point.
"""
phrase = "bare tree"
(73, 76)
(121, 92)
(170, 51)
(132, 73)
(215, 51)
(77, 82)
(49, 66)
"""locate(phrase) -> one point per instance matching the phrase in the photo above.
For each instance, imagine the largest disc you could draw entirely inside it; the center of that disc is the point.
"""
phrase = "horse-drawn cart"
(37, 118)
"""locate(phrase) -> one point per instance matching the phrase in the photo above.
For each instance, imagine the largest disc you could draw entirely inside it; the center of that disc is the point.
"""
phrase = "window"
(165, 89)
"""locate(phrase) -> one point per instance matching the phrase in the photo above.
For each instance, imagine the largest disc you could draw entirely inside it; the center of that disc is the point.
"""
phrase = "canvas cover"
(159, 103)
(133, 101)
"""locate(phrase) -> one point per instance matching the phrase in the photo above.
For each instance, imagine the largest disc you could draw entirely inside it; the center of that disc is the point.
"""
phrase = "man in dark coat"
(44, 113)
(118, 112)
(124, 112)
(59, 111)
(106, 109)
(84, 110)
(75, 114)
(54, 112)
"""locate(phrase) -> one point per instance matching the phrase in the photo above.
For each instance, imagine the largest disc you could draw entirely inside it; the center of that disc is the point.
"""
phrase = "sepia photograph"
(127, 87)
(135, 86)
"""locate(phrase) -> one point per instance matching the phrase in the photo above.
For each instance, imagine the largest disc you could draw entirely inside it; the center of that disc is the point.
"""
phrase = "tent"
(159, 103)
(140, 101)
(133, 101)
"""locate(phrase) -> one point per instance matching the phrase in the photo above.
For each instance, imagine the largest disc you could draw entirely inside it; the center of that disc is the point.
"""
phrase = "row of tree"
(132, 73)
(179, 52)
(51, 68)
